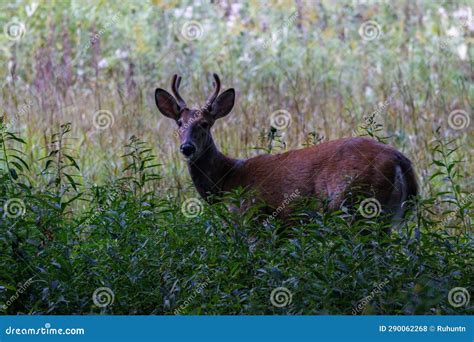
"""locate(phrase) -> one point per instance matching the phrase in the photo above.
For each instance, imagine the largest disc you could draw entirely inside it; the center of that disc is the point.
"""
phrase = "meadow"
(98, 214)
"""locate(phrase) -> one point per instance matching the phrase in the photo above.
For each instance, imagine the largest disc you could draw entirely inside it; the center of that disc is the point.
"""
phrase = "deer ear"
(223, 104)
(166, 104)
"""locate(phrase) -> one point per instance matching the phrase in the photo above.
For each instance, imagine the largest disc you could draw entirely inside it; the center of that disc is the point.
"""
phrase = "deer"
(337, 170)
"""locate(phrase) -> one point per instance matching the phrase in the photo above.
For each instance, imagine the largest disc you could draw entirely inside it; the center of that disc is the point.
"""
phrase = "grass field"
(98, 214)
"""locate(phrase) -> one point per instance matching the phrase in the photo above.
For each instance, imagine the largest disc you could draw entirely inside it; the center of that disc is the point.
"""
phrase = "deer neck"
(210, 170)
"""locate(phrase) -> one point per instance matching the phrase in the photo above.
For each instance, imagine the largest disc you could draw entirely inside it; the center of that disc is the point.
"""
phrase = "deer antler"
(174, 87)
(213, 96)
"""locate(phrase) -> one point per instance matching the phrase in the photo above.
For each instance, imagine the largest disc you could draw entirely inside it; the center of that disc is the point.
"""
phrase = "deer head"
(194, 124)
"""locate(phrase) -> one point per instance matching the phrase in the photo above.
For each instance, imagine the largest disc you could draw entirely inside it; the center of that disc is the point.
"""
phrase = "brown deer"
(338, 170)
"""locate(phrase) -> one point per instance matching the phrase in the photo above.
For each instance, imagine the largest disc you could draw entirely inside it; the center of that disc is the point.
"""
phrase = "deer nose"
(187, 149)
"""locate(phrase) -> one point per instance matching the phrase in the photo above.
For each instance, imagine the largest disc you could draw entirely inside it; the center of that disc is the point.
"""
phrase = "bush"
(125, 247)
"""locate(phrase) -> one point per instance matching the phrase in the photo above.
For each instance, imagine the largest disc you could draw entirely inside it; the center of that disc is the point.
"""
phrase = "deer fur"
(339, 170)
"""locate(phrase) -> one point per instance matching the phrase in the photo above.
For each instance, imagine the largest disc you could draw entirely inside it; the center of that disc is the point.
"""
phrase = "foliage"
(93, 203)
(152, 256)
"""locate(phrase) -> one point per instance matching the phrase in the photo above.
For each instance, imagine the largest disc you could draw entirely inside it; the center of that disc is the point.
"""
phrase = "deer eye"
(180, 123)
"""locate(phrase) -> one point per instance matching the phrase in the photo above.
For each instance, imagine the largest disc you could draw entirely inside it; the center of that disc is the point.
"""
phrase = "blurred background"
(394, 70)
(95, 196)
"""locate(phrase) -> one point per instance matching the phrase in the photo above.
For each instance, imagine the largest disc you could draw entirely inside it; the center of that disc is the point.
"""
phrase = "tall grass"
(99, 203)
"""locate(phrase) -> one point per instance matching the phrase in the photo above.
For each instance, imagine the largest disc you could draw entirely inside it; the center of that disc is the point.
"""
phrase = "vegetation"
(98, 213)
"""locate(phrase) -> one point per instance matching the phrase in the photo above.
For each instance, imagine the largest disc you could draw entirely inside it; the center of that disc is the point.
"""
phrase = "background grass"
(102, 207)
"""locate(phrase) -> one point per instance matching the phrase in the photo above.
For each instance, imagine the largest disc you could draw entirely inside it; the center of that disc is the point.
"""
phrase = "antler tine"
(217, 88)
(175, 87)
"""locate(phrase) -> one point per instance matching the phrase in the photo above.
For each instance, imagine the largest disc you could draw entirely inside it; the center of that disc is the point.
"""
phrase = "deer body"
(338, 171)
(333, 170)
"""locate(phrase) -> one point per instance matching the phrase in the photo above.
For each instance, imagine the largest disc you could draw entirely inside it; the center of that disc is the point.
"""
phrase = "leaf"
(21, 161)
(71, 181)
(73, 162)
(436, 174)
(12, 136)
(13, 171)
(74, 198)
